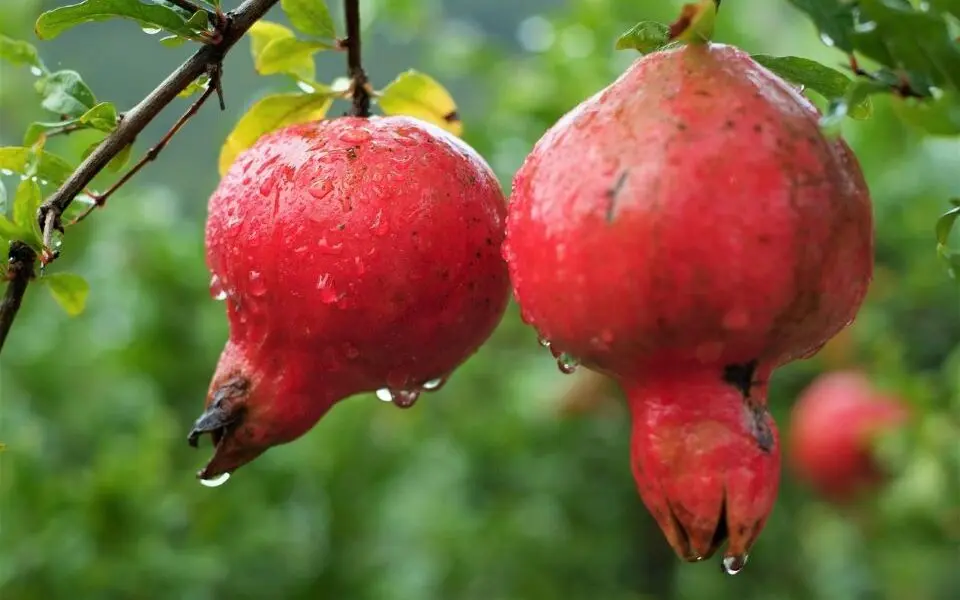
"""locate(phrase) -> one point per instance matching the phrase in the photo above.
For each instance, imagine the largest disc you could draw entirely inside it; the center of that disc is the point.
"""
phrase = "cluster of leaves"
(276, 49)
(907, 50)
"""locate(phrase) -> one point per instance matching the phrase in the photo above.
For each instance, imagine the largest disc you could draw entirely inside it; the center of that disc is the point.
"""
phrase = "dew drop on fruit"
(355, 136)
(567, 363)
(384, 395)
(217, 291)
(405, 398)
(327, 248)
(434, 384)
(258, 286)
(267, 187)
(734, 564)
(216, 481)
(321, 189)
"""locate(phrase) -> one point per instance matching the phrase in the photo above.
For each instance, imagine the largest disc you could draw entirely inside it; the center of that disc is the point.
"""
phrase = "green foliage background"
(488, 489)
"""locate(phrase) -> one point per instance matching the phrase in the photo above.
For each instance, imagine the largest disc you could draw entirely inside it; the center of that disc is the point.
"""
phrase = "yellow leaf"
(288, 54)
(269, 114)
(417, 95)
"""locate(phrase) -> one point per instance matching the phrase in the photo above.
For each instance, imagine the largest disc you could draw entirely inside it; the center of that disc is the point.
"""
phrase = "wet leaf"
(827, 82)
(946, 222)
(265, 33)
(49, 167)
(936, 116)
(69, 290)
(833, 19)
(65, 93)
(290, 56)
(25, 204)
(172, 41)
(418, 95)
(196, 86)
(8, 232)
(20, 53)
(857, 93)
(645, 37)
(311, 17)
(271, 113)
(102, 117)
(947, 6)
(149, 15)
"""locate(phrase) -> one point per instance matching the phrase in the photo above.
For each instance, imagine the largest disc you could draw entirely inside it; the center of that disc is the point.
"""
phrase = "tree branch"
(359, 88)
(208, 59)
(136, 119)
(19, 274)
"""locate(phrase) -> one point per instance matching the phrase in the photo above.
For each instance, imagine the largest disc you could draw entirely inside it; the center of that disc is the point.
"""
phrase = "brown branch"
(19, 273)
(208, 59)
(359, 87)
(101, 199)
(235, 25)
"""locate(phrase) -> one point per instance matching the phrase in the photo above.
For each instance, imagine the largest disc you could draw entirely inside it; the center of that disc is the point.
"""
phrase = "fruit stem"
(359, 88)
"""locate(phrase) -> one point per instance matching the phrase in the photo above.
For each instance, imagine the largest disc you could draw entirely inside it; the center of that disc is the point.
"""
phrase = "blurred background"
(512, 482)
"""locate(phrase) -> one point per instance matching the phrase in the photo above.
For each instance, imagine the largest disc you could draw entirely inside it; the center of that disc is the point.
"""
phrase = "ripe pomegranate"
(687, 230)
(355, 254)
(831, 429)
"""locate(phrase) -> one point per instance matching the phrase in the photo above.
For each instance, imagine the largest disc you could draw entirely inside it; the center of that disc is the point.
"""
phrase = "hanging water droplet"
(258, 286)
(567, 363)
(405, 398)
(434, 384)
(216, 481)
(734, 564)
(826, 39)
(151, 30)
(384, 395)
(36, 71)
(217, 291)
(543, 341)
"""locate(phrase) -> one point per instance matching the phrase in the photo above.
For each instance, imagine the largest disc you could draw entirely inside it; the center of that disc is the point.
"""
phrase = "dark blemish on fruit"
(613, 193)
(729, 124)
(451, 117)
(478, 254)
(704, 93)
(758, 127)
(740, 376)
(681, 126)
(489, 241)
(341, 226)
(352, 153)
(764, 239)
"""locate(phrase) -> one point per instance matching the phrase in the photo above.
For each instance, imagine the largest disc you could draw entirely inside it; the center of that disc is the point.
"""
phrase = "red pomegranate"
(832, 427)
(354, 254)
(687, 230)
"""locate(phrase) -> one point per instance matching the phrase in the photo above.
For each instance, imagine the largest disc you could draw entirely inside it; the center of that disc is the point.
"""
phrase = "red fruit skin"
(688, 218)
(356, 254)
(832, 426)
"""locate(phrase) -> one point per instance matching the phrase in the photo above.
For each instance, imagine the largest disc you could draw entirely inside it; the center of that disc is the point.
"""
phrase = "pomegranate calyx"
(221, 418)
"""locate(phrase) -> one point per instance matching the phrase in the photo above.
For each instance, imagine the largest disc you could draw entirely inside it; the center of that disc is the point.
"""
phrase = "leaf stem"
(20, 270)
(359, 87)
(191, 7)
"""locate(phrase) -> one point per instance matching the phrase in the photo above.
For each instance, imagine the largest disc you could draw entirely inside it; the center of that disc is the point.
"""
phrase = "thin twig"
(19, 273)
(152, 153)
(235, 26)
(64, 129)
(359, 88)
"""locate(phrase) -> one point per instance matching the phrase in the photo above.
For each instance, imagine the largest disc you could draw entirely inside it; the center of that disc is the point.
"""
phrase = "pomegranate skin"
(832, 426)
(354, 254)
(687, 230)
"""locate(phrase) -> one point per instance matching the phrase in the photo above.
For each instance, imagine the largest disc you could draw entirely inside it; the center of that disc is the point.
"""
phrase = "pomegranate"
(354, 254)
(831, 429)
(687, 230)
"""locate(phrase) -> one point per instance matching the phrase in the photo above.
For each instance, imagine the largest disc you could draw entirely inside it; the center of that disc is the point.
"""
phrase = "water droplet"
(258, 286)
(380, 225)
(360, 268)
(217, 291)
(327, 248)
(303, 85)
(267, 187)
(35, 71)
(6, 172)
(216, 481)
(405, 398)
(826, 39)
(355, 136)
(567, 363)
(543, 341)
(434, 384)
(151, 30)
(328, 293)
(384, 395)
(866, 27)
(321, 189)
(734, 564)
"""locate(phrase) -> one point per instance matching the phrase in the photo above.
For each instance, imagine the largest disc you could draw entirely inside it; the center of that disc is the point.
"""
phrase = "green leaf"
(150, 16)
(196, 86)
(290, 56)
(20, 53)
(172, 41)
(827, 82)
(946, 6)
(937, 116)
(69, 290)
(645, 37)
(311, 17)
(946, 222)
(834, 20)
(102, 117)
(8, 231)
(418, 95)
(3, 200)
(857, 93)
(696, 22)
(271, 113)
(65, 93)
(25, 204)
(117, 162)
(50, 167)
